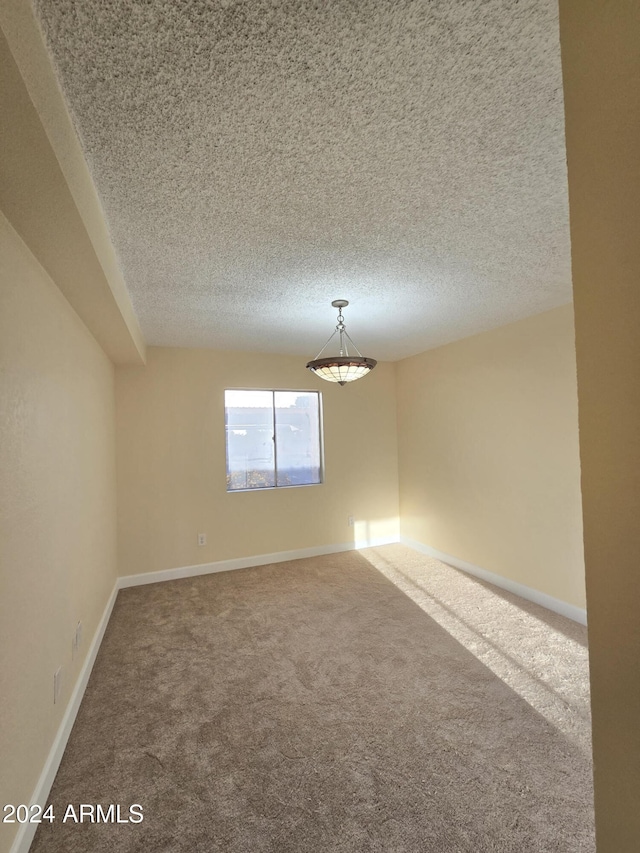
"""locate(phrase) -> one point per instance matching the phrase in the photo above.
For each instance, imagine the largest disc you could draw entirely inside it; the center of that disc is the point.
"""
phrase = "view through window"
(273, 438)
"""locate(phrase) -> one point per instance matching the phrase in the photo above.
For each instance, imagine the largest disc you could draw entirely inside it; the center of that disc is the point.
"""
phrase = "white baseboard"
(578, 614)
(248, 562)
(23, 839)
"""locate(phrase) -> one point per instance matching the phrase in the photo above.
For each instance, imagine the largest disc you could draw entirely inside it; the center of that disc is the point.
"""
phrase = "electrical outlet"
(350, 521)
(202, 538)
(57, 684)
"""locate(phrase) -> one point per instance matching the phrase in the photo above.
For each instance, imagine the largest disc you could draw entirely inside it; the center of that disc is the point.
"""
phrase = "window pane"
(297, 419)
(250, 451)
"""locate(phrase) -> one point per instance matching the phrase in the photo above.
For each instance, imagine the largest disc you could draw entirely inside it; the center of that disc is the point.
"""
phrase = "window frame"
(273, 392)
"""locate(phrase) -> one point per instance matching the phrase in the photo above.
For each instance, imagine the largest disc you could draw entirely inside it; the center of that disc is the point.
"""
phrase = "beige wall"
(601, 70)
(488, 453)
(172, 464)
(57, 508)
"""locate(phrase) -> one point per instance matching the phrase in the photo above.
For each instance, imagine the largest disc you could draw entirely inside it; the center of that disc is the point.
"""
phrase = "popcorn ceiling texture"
(258, 159)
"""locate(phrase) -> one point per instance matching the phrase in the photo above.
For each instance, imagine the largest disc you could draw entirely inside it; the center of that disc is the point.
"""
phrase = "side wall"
(172, 462)
(57, 508)
(601, 71)
(489, 467)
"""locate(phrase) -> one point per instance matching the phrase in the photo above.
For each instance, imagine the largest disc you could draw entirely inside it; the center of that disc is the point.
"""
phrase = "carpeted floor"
(371, 701)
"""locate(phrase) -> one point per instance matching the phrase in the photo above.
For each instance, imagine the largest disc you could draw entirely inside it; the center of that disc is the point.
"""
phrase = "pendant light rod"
(340, 304)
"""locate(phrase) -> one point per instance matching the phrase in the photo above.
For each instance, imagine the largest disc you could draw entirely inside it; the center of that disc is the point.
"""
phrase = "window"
(273, 439)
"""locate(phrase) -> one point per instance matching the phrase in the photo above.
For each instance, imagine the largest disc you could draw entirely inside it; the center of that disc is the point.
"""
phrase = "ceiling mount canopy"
(341, 368)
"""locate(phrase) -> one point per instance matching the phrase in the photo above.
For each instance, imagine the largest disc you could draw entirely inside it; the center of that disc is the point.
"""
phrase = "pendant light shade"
(341, 368)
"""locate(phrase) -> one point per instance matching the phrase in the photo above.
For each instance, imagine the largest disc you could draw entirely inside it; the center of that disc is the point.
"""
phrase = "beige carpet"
(372, 701)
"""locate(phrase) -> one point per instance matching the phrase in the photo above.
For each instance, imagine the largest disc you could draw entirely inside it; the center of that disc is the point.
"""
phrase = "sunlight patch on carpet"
(547, 666)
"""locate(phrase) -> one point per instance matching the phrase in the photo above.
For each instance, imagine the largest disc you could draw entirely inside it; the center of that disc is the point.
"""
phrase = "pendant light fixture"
(341, 368)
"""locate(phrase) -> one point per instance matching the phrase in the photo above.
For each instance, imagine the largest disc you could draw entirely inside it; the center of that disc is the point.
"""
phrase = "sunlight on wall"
(543, 658)
(374, 531)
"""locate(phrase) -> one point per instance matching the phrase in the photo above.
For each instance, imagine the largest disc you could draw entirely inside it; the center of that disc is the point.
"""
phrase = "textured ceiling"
(257, 159)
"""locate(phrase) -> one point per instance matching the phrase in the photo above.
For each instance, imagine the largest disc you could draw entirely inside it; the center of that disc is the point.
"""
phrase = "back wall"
(172, 462)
